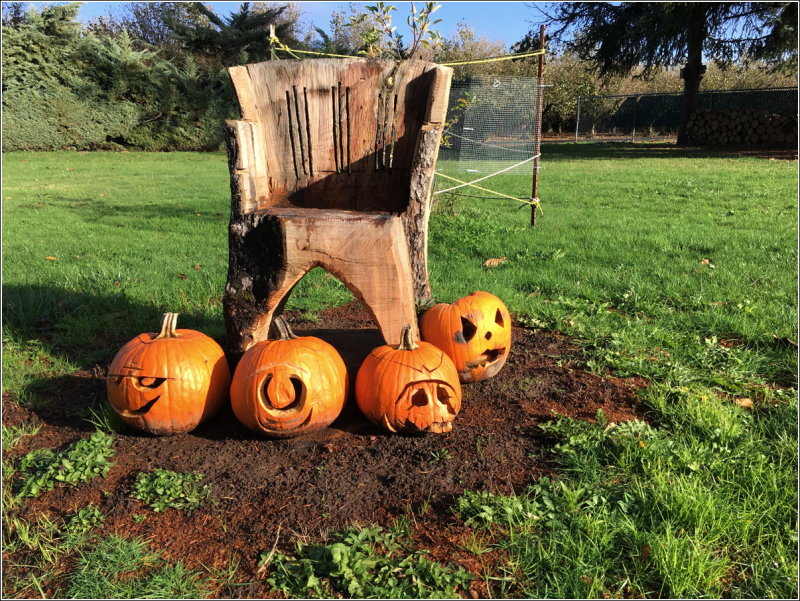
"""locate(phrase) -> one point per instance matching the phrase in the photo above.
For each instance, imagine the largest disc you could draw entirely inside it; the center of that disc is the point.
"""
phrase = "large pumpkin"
(411, 388)
(474, 331)
(167, 383)
(289, 386)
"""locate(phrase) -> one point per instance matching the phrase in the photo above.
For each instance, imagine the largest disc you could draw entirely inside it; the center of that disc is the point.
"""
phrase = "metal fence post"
(578, 117)
(635, 108)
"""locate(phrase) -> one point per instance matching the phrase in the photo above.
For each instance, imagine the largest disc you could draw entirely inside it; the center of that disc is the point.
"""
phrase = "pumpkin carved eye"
(469, 329)
(150, 382)
(498, 319)
(419, 398)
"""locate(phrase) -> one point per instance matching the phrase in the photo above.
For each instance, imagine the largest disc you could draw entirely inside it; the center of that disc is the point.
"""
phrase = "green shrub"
(58, 119)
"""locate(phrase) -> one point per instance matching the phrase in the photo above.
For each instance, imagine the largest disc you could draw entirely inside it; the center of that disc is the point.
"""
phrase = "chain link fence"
(746, 116)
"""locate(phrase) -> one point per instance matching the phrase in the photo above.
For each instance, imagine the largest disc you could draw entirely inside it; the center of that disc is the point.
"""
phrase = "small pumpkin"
(474, 331)
(290, 385)
(411, 388)
(168, 383)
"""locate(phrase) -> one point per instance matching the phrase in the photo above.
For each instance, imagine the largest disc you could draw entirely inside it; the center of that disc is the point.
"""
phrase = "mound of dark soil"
(351, 472)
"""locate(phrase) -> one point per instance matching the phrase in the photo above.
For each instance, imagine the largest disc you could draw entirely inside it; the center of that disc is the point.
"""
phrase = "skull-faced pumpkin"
(168, 383)
(411, 388)
(289, 386)
(474, 331)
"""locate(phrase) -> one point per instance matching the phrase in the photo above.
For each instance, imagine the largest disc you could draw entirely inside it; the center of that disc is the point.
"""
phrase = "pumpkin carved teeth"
(410, 388)
(440, 427)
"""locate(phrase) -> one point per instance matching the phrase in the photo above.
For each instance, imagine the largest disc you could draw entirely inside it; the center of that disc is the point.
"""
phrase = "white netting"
(493, 125)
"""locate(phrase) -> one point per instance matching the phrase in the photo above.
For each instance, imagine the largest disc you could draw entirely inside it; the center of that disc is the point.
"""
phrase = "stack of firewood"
(745, 127)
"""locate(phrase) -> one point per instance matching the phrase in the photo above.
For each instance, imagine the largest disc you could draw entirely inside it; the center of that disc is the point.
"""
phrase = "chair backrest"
(333, 133)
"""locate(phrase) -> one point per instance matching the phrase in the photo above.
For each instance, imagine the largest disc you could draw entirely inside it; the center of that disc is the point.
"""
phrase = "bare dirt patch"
(349, 473)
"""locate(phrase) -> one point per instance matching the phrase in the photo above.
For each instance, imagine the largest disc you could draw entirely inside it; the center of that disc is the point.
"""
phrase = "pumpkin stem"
(407, 342)
(168, 324)
(280, 329)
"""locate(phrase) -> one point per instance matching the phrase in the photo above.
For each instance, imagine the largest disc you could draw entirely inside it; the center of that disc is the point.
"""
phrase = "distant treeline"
(154, 76)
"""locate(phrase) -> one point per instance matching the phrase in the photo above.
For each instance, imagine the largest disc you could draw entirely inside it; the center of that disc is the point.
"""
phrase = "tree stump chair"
(331, 165)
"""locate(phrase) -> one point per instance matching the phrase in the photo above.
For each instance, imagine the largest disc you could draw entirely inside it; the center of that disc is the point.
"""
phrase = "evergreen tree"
(241, 38)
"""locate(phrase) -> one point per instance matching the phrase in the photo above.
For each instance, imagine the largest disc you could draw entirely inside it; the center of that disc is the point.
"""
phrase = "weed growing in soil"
(365, 563)
(13, 434)
(161, 489)
(439, 455)
(117, 568)
(105, 419)
(80, 462)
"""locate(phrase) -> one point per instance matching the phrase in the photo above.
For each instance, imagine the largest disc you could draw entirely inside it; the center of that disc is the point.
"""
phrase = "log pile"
(741, 127)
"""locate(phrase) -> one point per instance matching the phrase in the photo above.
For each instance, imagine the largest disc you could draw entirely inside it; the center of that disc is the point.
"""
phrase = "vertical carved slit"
(347, 109)
(308, 134)
(333, 121)
(341, 142)
(385, 130)
(299, 130)
(394, 132)
(378, 133)
(291, 134)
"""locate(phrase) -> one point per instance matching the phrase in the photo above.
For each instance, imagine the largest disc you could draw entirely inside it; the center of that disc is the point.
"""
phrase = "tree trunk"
(693, 72)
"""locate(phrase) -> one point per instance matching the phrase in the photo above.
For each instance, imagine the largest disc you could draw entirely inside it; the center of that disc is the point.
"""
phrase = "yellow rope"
(496, 58)
(276, 44)
(534, 203)
(318, 53)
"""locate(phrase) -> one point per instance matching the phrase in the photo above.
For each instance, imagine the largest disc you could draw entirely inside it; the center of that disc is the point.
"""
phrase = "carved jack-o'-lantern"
(411, 388)
(474, 331)
(170, 382)
(289, 386)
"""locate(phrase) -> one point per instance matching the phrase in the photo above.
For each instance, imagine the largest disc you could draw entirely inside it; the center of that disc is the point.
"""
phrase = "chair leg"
(269, 254)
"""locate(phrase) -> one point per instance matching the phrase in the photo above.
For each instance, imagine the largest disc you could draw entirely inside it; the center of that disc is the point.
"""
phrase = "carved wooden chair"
(331, 165)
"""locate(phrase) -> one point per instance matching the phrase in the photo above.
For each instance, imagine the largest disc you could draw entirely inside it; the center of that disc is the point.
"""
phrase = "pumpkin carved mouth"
(486, 358)
(275, 426)
(138, 412)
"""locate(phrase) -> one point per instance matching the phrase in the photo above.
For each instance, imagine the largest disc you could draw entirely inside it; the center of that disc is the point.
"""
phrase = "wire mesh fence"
(492, 125)
(746, 116)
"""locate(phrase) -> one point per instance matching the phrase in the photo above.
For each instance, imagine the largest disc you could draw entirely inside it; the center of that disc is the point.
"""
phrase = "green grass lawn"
(678, 266)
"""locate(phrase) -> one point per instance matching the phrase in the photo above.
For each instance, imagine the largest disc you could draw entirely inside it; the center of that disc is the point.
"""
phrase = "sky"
(506, 22)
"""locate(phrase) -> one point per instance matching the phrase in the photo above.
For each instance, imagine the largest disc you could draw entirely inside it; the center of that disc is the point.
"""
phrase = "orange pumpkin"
(168, 383)
(411, 388)
(474, 331)
(289, 386)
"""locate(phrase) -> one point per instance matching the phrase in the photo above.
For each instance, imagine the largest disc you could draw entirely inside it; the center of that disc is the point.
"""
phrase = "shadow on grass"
(137, 216)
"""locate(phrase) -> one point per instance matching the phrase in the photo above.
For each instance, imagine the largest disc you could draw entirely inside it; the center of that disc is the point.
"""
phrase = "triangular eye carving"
(469, 329)
(498, 319)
